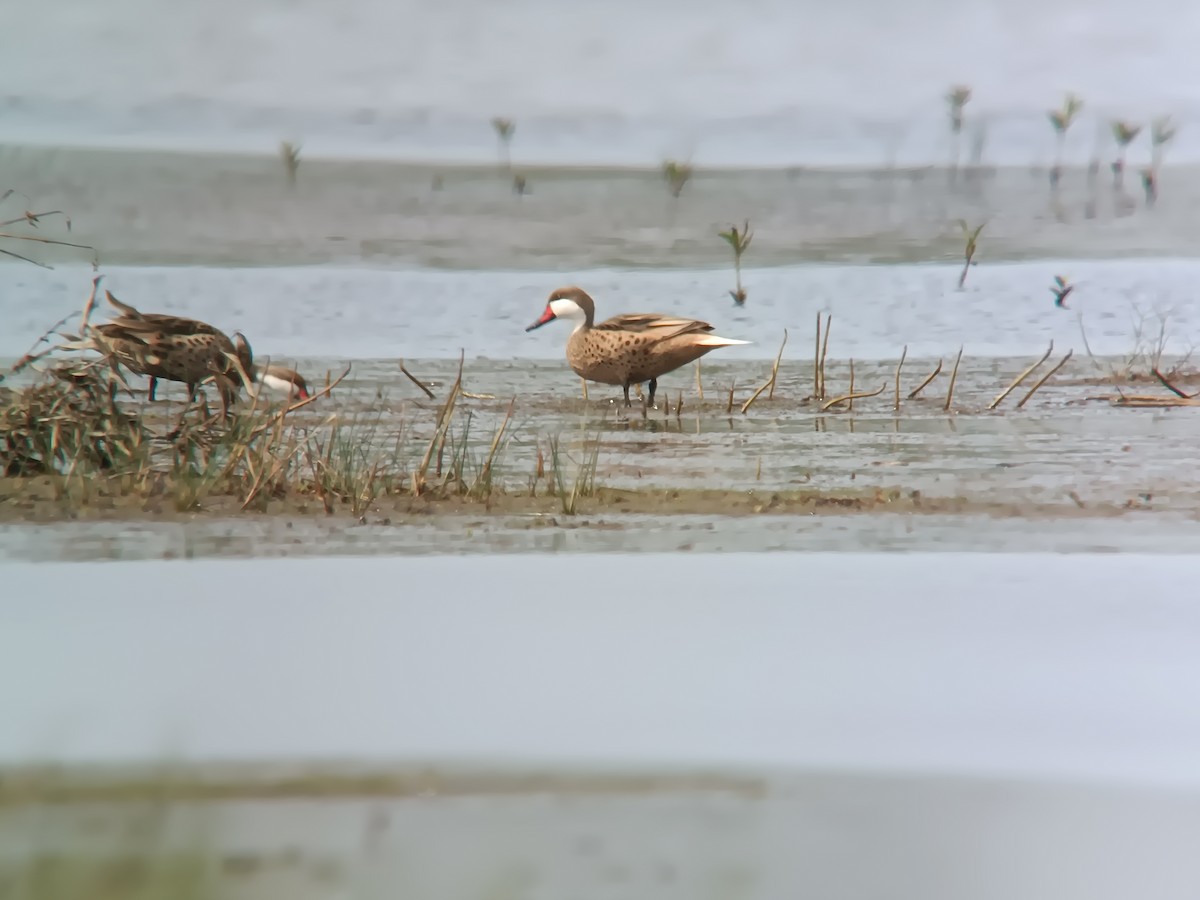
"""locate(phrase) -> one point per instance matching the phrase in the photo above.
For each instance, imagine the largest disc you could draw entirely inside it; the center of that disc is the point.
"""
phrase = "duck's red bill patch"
(547, 315)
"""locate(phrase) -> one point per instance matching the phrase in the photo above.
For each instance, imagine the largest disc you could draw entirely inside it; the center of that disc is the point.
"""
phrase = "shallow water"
(964, 722)
(763, 82)
(357, 313)
(958, 662)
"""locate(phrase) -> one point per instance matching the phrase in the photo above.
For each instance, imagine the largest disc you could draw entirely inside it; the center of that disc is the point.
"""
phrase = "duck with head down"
(173, 348)
(630, 348)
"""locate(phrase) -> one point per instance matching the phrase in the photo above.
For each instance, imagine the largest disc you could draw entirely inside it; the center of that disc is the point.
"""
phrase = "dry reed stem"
(1062, 362)
(1135, 401)
(899, 366)
(443, 424)
(924, 384)
(851, 397)
(679, 406)
(775, 368)
(953, 379)
(729, 405)
(825, 352)
(850, 393)
(1029, 371)
(1170, 387)
(413, 378)
(583, 381)
(817, 361)
(755, 396)
(487, 465)
(699, 383)
(317, 486)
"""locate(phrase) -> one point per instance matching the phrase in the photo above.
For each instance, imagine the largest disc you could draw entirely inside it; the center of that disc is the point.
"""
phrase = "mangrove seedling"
(504, 129)
(970, 245)
(1061, 120)
(738, 241)
(1060, 289)
(1150, 186)
(1124, 133)
(520, 186)
(289, 153)
(677, 175)
(1162, 131)
(957, 100)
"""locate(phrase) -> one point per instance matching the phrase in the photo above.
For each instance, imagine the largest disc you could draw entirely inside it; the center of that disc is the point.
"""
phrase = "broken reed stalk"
(679, 405)
(699, 383)
(770, 382)
(850, 394)
(825, 351)
(1170, 387)
(1062, 362)
(439, 434)
(729, 405)
(899, 366)
(583, 381)
(953, 379)
(413, 378)
(851, 397)
(1017, 381)
(817, 361)
(924, 384)
(775, 368)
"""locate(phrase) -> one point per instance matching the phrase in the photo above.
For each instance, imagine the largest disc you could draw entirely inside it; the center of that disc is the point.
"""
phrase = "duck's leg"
(153, 388)
(627, 403)
(653, 388)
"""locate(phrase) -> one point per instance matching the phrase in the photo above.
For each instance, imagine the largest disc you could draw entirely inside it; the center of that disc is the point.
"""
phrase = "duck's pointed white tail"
(715, 340)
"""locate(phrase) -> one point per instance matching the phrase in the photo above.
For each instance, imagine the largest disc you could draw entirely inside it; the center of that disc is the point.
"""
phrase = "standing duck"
(630, 348)
(174, 349)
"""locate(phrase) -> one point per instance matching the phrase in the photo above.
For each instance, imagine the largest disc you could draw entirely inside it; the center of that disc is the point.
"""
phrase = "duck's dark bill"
(546, 317)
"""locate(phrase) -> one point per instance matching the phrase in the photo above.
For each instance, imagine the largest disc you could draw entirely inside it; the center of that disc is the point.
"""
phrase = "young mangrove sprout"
(677, 175)
(1060, 289)
(1162, 131)
(504, 129)
(1061, 120)
(1124, 133)
(289, 153)
(956, 101)
(970, 245)
(738, 241)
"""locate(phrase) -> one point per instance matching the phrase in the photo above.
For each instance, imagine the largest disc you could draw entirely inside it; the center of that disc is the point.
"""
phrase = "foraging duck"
(630, 348)
(174, 349)
(281, 380)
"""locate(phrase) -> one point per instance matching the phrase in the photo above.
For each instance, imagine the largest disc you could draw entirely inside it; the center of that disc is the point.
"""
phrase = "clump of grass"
(289, 155)
(677, 175)
(504, 129)
(970, 247)
(739, 242)
(583, 484)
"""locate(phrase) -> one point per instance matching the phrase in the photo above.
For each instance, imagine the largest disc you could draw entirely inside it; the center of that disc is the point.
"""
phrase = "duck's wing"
(156, 323)
(654, 324)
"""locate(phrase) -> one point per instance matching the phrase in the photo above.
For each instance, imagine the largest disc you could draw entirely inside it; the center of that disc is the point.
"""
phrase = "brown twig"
(699, 384)
(729, 405)
(413, 378)
(850, 394)
(1170, 387)
(825, 352)
(899, 366)
(1029, 371)
(443, 424)
(1062, 362)
(924, 384)
(953, 379)
(817, 361)
(775, 368)
(852, 397)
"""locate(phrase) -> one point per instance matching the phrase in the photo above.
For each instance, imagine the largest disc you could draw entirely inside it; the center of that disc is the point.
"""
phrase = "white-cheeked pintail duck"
(631, 348)
(281, 380)
(174, 348)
